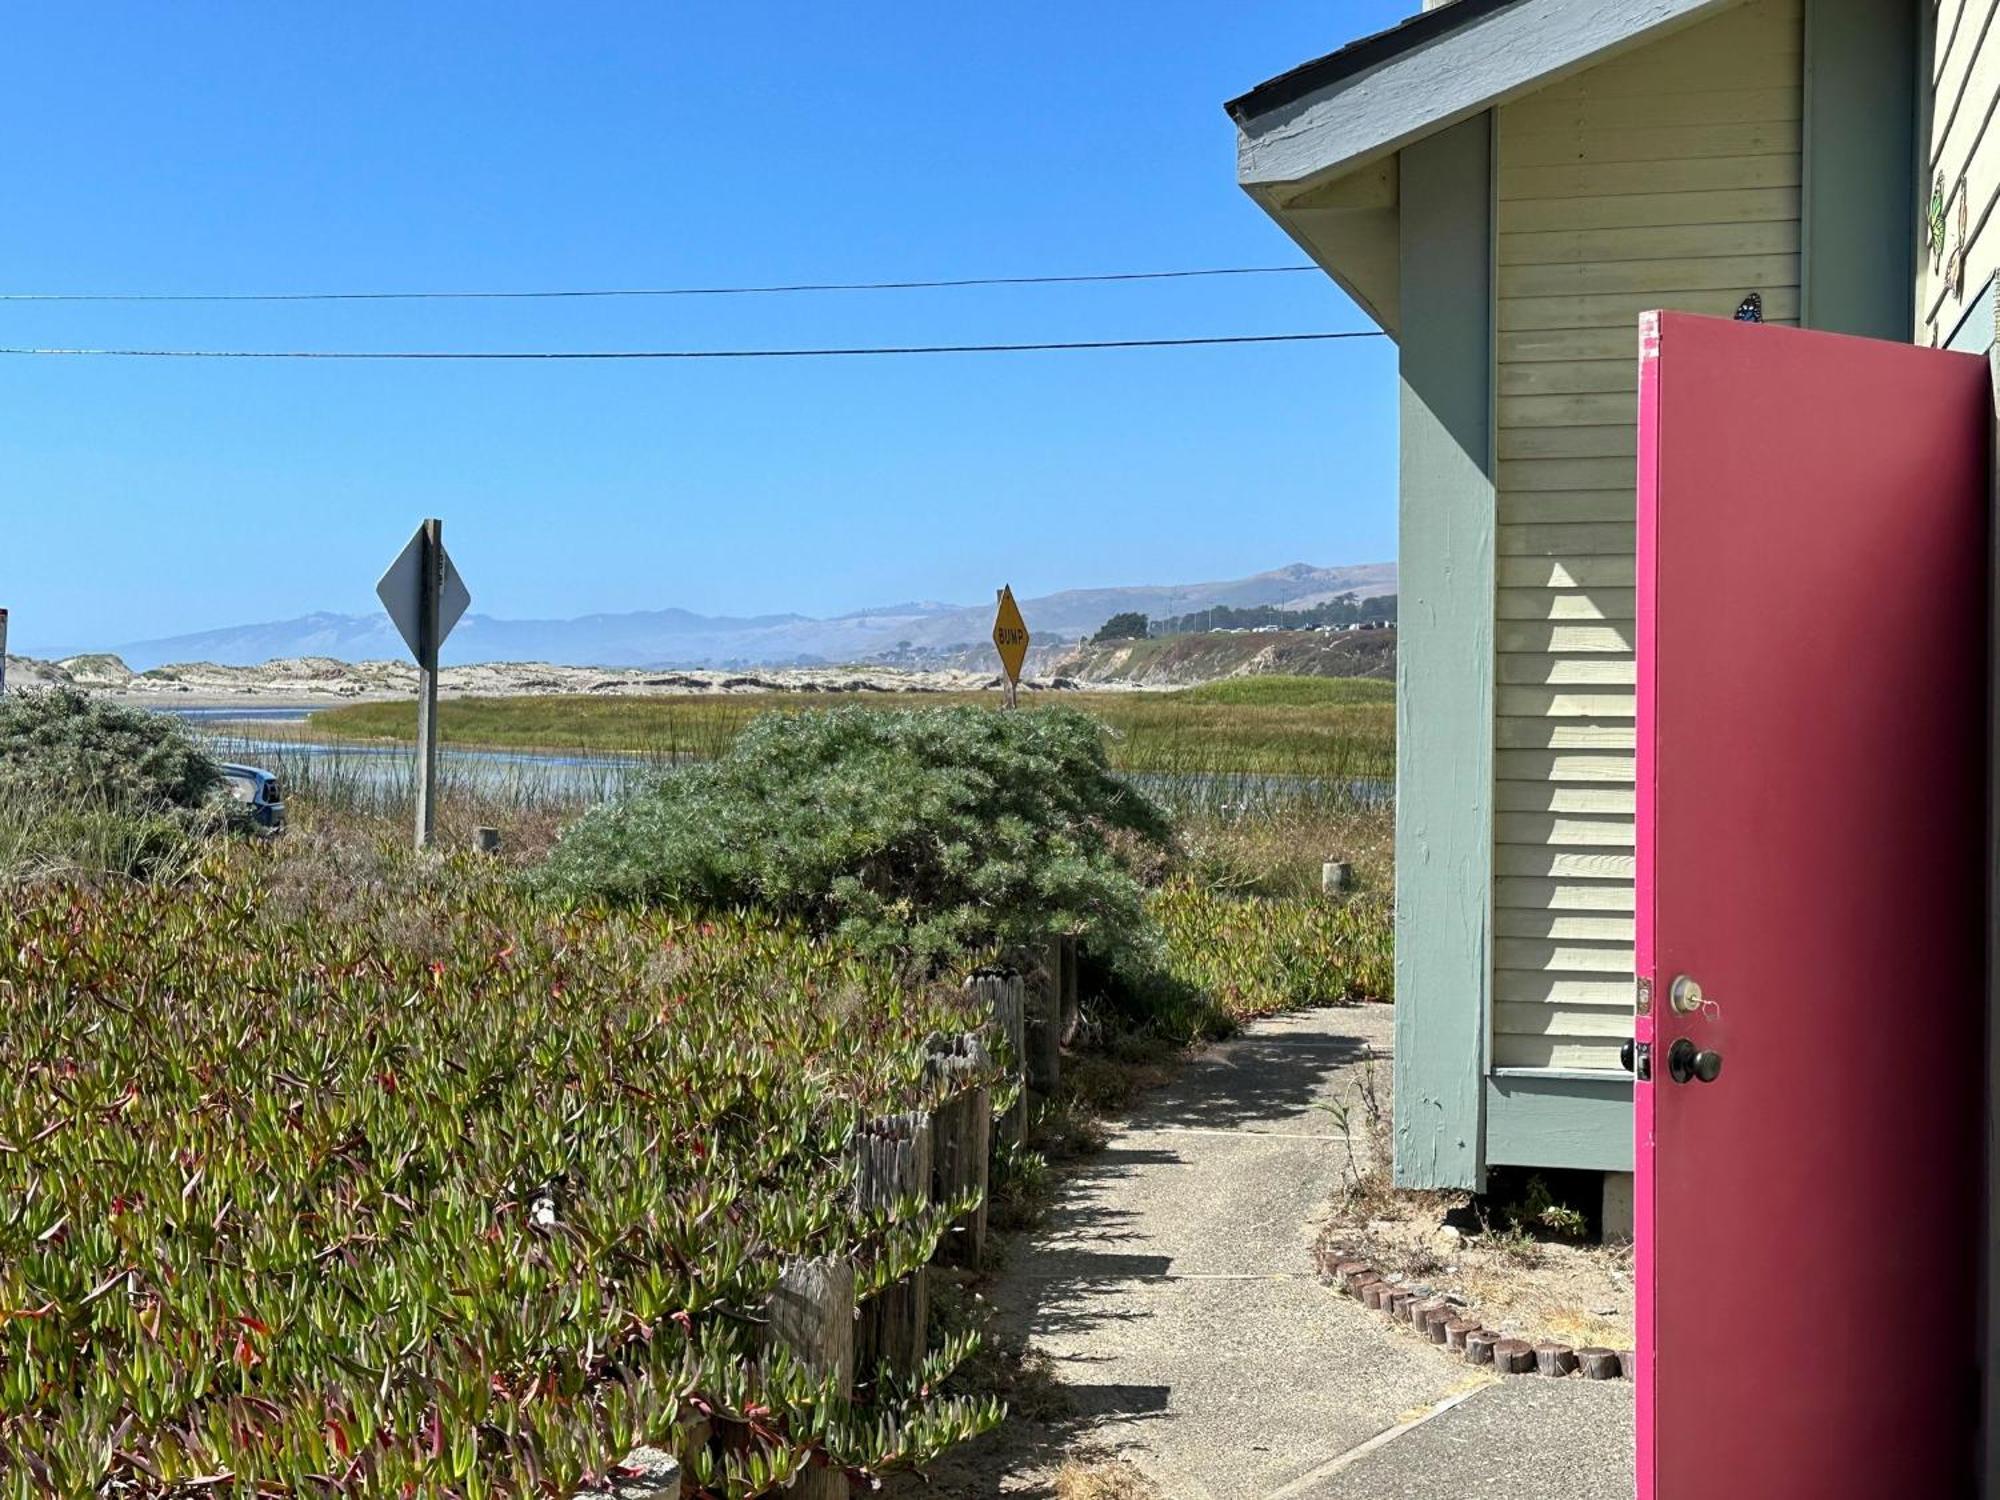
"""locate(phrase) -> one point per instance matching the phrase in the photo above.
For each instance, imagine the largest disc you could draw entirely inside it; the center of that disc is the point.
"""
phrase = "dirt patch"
(1518, 1258)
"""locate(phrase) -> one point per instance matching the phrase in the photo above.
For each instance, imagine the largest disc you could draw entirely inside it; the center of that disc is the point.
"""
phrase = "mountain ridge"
(670, 638)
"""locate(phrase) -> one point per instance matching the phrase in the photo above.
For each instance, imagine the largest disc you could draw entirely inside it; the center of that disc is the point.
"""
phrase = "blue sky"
(279, 147)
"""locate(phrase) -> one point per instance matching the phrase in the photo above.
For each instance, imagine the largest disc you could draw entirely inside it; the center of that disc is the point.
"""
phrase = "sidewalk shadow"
(1080, 1267)
(1258, 1078)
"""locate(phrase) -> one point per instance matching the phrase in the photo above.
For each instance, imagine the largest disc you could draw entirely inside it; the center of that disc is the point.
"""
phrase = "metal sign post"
(3, 653)
(1010, 639)
(425, 597)
(431, 576)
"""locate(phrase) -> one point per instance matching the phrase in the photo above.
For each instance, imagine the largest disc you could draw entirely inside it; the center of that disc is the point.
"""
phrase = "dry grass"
(1081, 1479)
(1279, 852)
(1564, 1296)
(1515, 1279)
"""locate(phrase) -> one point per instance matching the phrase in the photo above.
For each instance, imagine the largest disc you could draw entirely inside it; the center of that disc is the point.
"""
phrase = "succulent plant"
(298, 1206)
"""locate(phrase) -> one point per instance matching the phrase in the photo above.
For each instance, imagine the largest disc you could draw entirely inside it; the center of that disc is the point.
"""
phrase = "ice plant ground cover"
(1250, 955)
(396, 1181)
(326, 1169)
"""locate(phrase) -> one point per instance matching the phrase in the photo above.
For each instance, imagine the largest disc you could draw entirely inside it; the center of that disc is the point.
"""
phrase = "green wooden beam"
(1551, 1120)
(1444, 673)
(1860, 228)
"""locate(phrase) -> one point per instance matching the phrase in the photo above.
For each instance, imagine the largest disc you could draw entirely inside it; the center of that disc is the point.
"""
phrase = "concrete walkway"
(1173, 1291)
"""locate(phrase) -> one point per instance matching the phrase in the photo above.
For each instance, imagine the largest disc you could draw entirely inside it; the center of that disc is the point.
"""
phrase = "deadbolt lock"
(1686, 995)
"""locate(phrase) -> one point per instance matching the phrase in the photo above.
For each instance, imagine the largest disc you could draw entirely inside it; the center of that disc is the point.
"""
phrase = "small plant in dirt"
(932, 834)
(1540, 1211)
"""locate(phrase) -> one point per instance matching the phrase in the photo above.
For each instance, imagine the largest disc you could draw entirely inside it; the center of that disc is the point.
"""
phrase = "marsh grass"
(1330, 730)
(1289, 692)
(364, 780)
(87, 836)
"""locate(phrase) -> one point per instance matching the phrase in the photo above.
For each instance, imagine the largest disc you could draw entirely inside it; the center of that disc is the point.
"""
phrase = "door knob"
(1688, 1064)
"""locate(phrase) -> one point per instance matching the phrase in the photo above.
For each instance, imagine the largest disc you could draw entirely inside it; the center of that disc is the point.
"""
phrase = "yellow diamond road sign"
(1010, 635)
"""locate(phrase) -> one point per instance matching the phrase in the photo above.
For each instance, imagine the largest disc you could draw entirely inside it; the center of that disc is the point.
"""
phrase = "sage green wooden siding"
(1667, 177)
(1857, 246)
(1444, 686)
(1542, 1121)
(1963, 151)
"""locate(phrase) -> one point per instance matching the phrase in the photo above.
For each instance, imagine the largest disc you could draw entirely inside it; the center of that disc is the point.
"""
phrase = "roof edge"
(1358, 56)
(1430, 73)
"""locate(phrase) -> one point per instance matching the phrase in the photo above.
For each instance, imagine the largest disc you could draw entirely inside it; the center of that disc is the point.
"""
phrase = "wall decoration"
(1954, 266)
(1934, 226)
(1751, 309)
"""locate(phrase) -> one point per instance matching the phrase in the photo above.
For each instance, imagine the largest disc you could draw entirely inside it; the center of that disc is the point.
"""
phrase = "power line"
(657, 291)
(694, 354)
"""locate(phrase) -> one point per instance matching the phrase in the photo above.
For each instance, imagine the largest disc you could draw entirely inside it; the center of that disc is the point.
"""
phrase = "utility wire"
(657, 291)
(692, 354)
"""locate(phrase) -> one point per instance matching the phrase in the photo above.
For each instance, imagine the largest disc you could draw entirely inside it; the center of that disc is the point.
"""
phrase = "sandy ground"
(317, 681)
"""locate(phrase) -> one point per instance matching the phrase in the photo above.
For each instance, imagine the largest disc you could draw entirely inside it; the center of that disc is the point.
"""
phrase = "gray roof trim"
(1356, 57)
(1432, 72)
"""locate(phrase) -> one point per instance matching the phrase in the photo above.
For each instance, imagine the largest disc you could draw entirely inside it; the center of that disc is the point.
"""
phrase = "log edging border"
(1457, 1329)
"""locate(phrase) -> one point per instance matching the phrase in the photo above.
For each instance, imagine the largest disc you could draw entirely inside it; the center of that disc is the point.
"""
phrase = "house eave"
(1372, 99)
(1358, 56)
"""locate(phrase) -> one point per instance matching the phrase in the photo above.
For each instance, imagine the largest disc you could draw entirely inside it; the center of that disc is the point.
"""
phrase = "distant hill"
(1171, 661)
(678, 638)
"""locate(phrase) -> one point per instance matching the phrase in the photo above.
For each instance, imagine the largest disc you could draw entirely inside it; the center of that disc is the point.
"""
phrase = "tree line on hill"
(1347, 609)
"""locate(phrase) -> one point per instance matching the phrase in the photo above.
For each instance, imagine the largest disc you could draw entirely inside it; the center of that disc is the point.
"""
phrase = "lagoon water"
(534, 777)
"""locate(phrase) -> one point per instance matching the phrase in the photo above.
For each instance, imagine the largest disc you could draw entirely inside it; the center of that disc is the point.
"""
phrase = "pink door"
(1812, 604)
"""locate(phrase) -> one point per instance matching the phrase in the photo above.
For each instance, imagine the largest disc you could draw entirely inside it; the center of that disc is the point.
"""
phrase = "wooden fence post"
(961, 1138)
(812, 1315)
(894, 1163)
(1072, 999)
(1006, 998)
(1044, 1025)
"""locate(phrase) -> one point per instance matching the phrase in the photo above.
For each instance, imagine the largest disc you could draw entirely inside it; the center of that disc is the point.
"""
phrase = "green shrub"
(408, 1184)
(63, 745)
(1129, 625)
(933, 833)
(88, 787)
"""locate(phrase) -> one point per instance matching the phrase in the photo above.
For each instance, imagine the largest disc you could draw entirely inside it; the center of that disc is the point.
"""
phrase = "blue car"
(258, 791)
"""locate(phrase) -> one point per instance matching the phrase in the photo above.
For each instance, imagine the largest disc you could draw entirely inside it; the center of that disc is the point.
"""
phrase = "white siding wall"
(1665, 178)
(1964, 147)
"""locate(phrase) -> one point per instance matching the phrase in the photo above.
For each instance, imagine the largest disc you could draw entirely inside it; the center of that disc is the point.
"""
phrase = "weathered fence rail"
(812, 1315)
(961, 1139)
(942, 1154)
(894, 1165)
(1004, 995)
